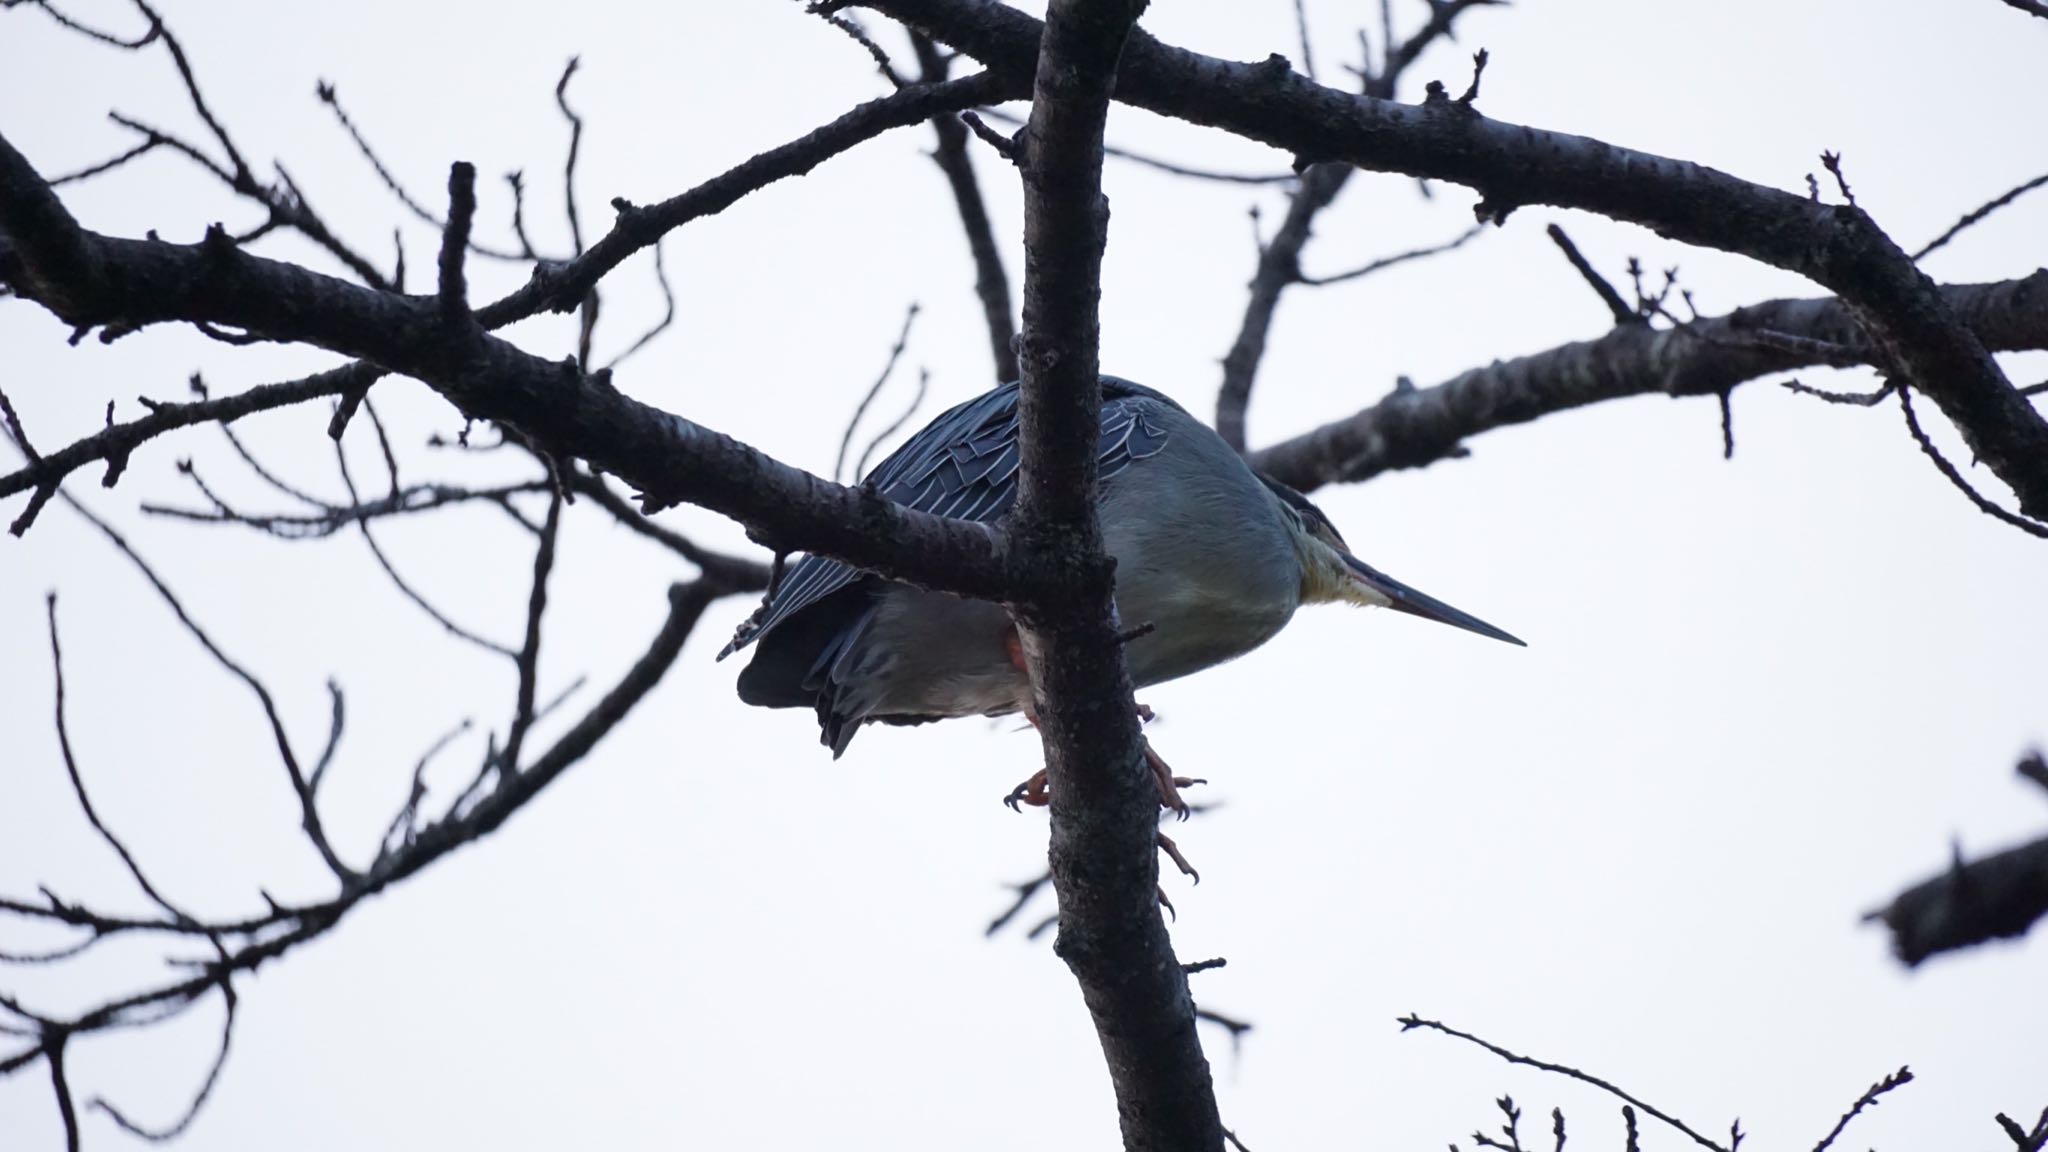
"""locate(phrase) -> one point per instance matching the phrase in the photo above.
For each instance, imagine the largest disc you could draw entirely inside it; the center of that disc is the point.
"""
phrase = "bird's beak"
(1402, 598)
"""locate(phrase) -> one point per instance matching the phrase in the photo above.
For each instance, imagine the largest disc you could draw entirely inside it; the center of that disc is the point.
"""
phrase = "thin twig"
(1858, 399)
(1978, 214)
(78, 791)
(1385, 262)
(454, 288)
(924, 378)
(177, 1127)
(1024, 892)
(149, 144)
(859, 35)
(309, 812)
(1308, 60)
(1870, 1096)
(1167, 166)
(587, 311)
(1984, 505)
(991, 281)
(156, 28)
(1616, 306)
(355, 503)
(861, 409)
(668, 313)
(528, 659)
(1411, 1022)
(327, 95)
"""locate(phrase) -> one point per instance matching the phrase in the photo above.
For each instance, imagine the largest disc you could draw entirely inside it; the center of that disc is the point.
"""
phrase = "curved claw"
(1172, 851)
(1169, 784)
(1030, 792)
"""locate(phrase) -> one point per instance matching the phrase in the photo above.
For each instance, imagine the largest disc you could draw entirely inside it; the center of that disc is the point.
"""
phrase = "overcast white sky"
(1759, 696)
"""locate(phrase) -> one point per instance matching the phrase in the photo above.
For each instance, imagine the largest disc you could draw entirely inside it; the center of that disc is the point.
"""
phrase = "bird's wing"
(963, 465)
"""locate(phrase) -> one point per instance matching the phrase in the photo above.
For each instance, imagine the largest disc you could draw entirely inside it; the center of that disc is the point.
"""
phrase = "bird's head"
(1331, 574)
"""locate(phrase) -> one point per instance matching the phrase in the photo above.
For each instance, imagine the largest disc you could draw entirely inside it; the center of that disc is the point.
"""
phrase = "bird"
(1213, 557)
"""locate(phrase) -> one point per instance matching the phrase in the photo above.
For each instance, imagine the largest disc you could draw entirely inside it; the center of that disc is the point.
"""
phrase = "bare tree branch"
(1616, 306)
(561, 287)
(1383, 263)
(1977, 215)
(991, 282)
(241, 946)
(328, 95)
(1169, 167)
(1991, 898)
(92, 279)
(1414, 428)
(1412, 1022)
(868, 397)
(1280, 259)
(118, 441)
(78, 791)
(1955, 476)
(1871, 1095)
(1103, 858)
(1514, 166)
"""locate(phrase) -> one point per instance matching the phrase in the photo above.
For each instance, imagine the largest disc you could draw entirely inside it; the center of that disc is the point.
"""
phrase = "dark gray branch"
(1416, 427)
(1280, 260)
(88, 279)
(561, 287)
(1512, 166)
(247, 944)
(1991, 898)
(1411, 1022)
(1104, 806)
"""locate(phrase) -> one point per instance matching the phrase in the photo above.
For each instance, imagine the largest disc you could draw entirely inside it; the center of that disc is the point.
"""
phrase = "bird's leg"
(1031, 791)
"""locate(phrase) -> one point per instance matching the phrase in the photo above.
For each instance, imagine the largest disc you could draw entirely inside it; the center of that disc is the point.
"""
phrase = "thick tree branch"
(54, 248)
(88, 279)
(1104, 807)
(1513, 165)
(1415, 427)
(1991, 898)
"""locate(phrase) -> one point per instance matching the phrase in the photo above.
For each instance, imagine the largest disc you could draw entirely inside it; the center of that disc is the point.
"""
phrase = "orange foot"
(1030, 792)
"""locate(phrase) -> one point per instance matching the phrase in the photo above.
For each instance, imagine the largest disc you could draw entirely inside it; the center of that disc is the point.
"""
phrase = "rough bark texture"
(1104, 807)
(1409, 429)
(90, 280)
(1512, 165)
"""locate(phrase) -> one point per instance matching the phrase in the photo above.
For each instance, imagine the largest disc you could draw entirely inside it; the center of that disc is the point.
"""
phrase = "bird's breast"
(1199, 623)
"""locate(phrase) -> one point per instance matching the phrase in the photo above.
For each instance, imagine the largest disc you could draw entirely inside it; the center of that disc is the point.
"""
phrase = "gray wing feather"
(964, 465)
